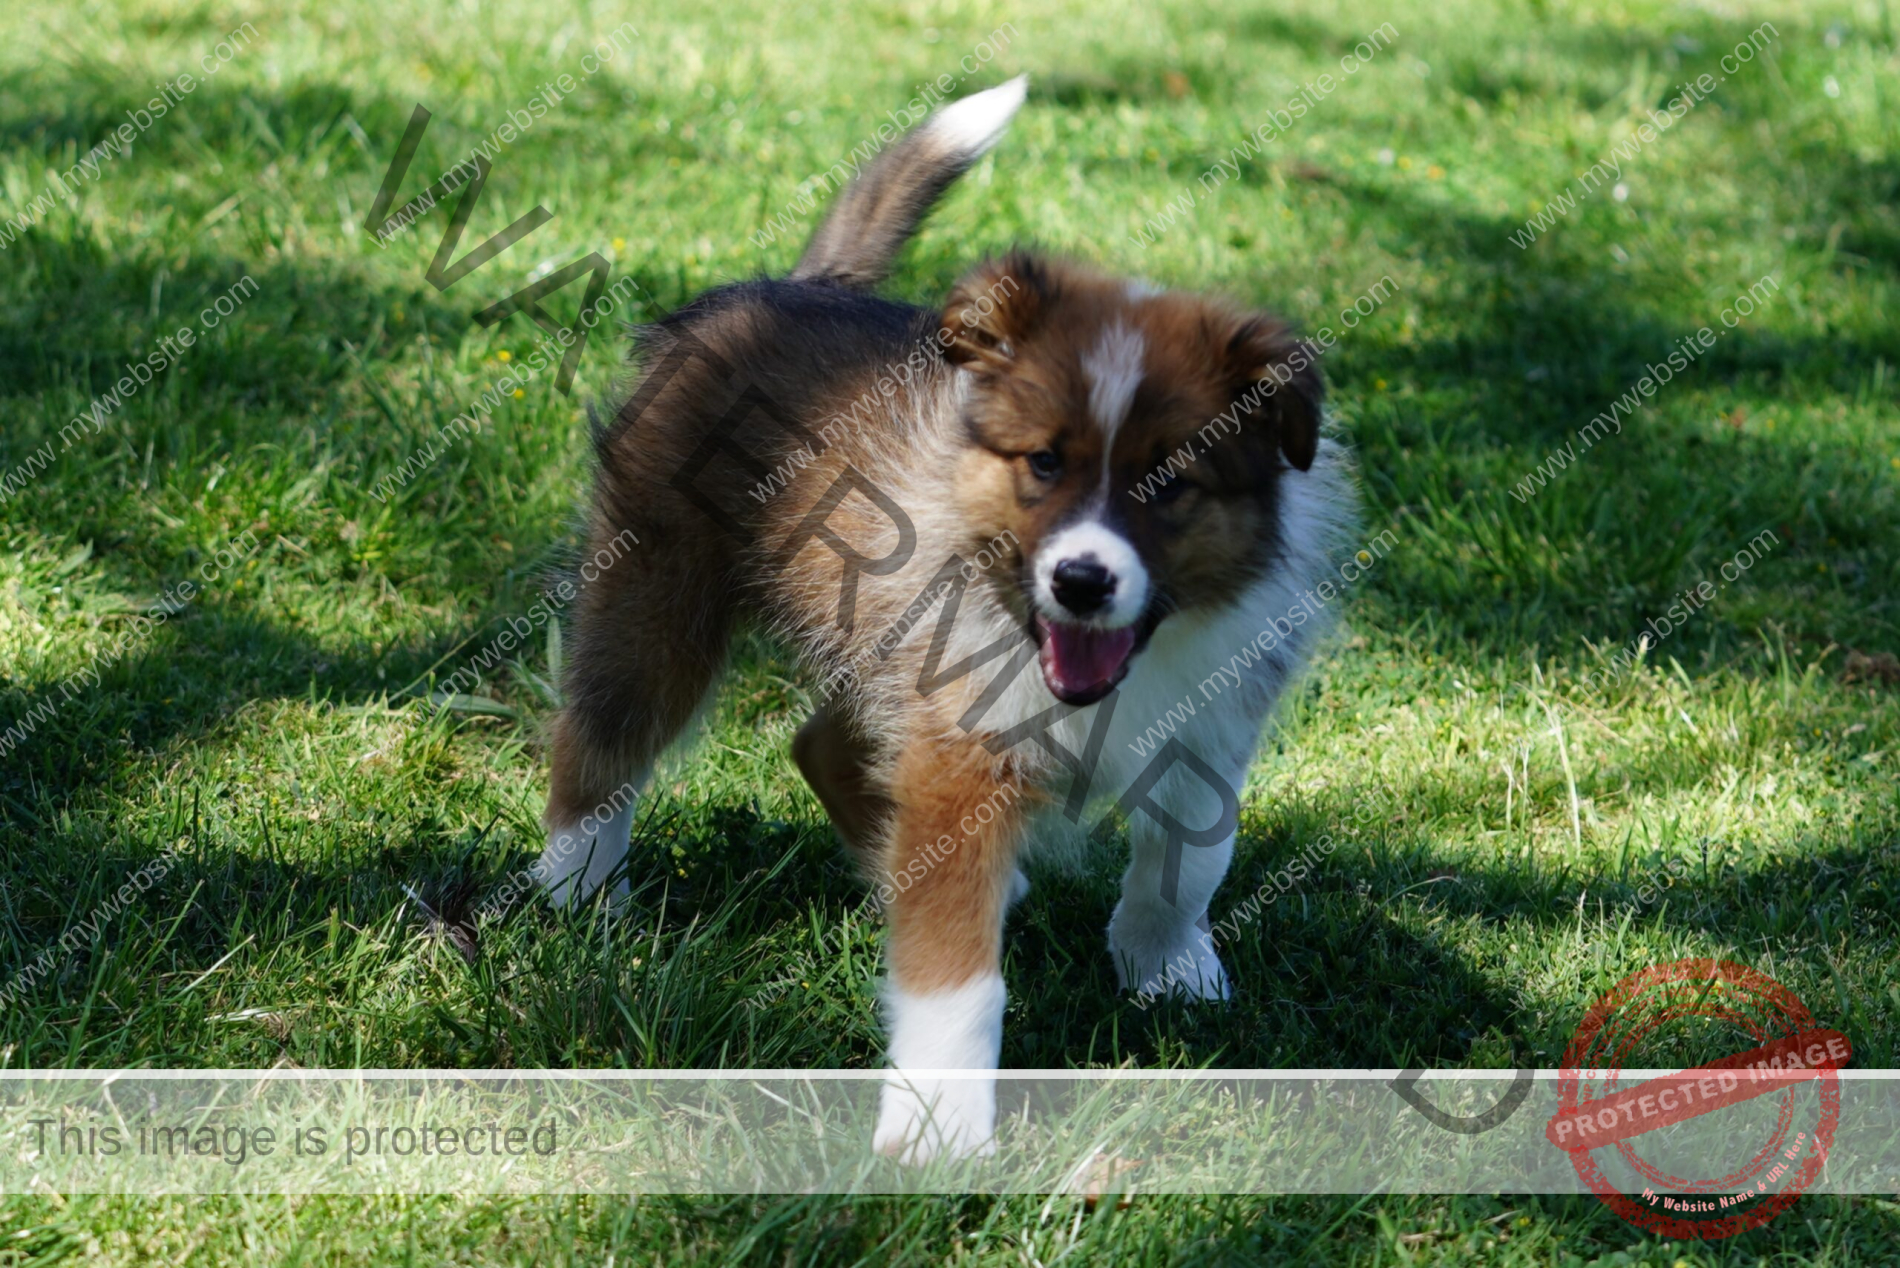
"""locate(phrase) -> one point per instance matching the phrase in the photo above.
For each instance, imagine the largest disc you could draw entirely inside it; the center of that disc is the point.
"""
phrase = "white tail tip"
(971, 126)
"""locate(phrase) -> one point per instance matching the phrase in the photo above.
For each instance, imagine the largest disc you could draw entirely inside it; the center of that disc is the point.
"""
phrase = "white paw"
(1018, 888)
(1157, 962)
(580, 857)
(939, 1098)
(931, 1116)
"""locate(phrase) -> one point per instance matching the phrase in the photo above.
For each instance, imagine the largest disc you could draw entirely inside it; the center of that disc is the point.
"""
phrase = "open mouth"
(1082, 663)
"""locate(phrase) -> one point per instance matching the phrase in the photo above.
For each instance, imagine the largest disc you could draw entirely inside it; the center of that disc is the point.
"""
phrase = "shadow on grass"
(88, 309)
(1342, 971)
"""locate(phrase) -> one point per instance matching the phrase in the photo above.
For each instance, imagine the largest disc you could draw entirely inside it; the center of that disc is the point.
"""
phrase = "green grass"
(276, 735)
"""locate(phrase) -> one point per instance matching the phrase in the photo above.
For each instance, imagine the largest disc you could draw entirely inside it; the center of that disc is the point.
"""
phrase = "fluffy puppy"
(1010, 535)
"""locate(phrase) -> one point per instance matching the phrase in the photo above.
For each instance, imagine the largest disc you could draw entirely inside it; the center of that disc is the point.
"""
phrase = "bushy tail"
(876, 214)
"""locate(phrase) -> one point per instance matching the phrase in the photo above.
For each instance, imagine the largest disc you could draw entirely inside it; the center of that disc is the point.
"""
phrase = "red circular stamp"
(1597, 1111)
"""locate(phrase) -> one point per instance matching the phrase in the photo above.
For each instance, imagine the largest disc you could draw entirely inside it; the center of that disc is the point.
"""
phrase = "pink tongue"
(1078, 661)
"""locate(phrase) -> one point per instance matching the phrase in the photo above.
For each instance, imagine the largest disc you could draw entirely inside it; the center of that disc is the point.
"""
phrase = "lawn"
(227, 598)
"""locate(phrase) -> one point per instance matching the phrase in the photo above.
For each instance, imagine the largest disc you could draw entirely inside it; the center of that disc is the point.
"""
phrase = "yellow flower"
(1378, 385)
(504, 355)
(1435, 172)
(620, 244)
(519, 394)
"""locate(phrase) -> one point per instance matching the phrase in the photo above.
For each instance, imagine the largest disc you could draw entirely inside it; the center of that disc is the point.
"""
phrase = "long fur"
(847, 470)
(879, 211)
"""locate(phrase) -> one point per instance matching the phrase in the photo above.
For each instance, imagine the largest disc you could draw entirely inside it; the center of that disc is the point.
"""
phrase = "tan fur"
(946, 924)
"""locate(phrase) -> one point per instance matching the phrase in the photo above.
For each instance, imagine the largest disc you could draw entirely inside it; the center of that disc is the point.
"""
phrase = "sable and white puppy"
(946, 511)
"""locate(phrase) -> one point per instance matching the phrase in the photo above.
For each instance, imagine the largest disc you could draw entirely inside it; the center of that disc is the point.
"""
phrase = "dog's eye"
(1045, 464)
(1172, 491)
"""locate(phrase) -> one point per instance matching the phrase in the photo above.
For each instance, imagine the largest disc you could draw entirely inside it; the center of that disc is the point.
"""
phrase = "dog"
(927, 503)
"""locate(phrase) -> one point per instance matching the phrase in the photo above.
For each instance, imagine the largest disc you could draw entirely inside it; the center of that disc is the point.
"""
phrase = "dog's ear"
(1276, 382)
(993, 310)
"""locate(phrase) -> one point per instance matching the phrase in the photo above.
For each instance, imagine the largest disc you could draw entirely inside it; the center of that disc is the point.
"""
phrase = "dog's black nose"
(1082, 585)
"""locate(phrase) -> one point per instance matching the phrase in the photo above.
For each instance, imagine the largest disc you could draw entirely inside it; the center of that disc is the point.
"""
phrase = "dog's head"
(1133, 441)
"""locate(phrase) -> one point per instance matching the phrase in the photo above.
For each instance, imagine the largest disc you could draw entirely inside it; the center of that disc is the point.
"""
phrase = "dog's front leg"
(949, 867)
(1158, 935)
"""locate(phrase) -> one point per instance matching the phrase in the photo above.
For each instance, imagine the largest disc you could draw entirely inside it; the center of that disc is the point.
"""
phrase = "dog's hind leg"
(649, 635)
(836, 762)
